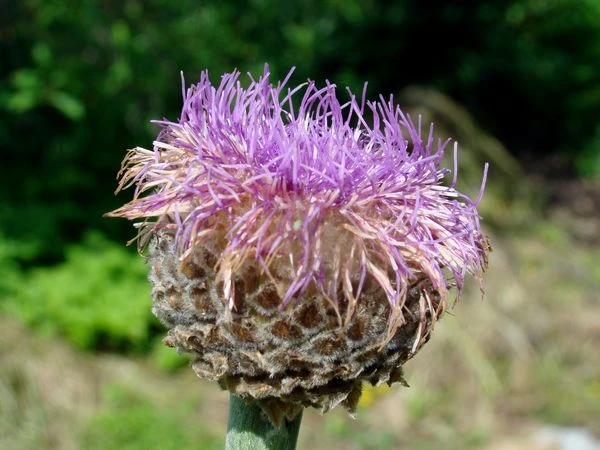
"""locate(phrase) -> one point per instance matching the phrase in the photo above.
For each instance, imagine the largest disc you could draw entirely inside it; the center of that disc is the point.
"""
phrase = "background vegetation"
(79, 84)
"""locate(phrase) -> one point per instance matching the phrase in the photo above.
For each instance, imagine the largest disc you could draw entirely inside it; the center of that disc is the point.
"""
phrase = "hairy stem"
(250, 429)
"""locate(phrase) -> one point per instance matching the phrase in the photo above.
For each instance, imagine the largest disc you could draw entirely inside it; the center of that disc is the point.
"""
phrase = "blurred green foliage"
(130, 421)
(80, 81)
(98, 298)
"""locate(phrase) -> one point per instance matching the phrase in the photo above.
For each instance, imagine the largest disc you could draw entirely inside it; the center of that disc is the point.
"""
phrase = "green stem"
(250, 429)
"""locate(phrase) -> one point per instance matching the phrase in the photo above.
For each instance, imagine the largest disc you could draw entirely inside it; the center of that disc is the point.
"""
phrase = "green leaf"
(22, 101)
(68, 105)
(41, 54)
(26, 79)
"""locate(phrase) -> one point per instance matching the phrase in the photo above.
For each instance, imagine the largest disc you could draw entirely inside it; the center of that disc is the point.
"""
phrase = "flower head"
(342, 202)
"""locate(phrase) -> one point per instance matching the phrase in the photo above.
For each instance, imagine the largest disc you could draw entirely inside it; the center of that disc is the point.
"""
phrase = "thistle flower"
(298, 251)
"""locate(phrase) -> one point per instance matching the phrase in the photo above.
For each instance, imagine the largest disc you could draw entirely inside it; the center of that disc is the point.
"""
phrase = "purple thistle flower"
(335, 214)
(337, 189)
